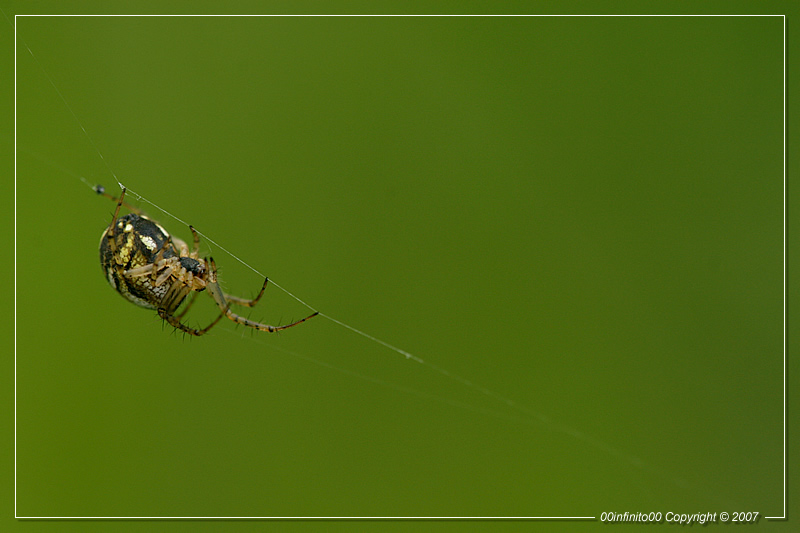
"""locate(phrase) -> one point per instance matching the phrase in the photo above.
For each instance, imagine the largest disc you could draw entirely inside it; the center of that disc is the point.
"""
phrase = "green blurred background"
(582, 215)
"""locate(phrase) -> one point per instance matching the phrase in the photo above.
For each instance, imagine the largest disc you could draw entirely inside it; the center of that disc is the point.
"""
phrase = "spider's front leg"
(219, 297)
(195, 243)
(99, 189)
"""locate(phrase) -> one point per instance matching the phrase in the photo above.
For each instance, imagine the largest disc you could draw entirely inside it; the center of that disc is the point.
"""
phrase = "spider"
(154, 270)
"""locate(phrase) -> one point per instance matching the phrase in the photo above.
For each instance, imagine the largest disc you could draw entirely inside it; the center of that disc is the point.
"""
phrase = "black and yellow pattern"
(138, 242)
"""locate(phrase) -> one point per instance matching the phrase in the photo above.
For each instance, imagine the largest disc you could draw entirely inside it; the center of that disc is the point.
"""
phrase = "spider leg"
(176, 323)
(158, 262)
(183, 250)
(180, 315)
(164, 276)
(99, 189)
(244, 301)
(167, 244)
(222, 303)
(140, 271)
(195, 243)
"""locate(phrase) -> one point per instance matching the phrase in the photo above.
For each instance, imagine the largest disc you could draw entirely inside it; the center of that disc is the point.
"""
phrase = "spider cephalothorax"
(157, 271)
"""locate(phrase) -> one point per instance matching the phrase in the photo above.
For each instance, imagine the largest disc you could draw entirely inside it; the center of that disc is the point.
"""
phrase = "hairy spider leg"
(229, 298)
(244, 301)
(176, 323)
(193, 254)
(219, 297)
(185, 310)
(99, 189)
(170, 303)
(195, 244)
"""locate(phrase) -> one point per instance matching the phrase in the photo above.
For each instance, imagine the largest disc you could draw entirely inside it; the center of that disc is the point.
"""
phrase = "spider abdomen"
(138, 242)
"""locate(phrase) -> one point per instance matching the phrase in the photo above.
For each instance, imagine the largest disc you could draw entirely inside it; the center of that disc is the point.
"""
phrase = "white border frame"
(343, 518)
